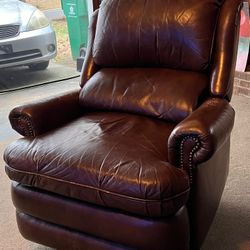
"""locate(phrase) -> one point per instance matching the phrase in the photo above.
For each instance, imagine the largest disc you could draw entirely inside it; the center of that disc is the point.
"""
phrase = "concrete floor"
(22, 77)
(231, 227)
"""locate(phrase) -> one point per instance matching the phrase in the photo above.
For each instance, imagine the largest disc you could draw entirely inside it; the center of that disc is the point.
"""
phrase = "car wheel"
(39, 66)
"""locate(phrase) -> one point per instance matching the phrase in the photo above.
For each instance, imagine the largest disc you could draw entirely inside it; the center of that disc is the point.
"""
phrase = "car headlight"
(37, 21)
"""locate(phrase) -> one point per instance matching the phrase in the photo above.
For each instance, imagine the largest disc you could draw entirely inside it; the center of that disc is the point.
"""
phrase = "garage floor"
(22, 77)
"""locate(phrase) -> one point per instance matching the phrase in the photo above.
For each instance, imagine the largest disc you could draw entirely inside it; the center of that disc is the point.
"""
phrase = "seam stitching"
(191, 155)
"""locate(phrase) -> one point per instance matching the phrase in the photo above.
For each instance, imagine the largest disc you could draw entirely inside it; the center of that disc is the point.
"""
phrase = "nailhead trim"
(191, 155)
(26, 132)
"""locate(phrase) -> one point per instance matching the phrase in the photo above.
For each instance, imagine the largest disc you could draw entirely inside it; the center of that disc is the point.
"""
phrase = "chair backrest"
(168, 48)
(174, 34)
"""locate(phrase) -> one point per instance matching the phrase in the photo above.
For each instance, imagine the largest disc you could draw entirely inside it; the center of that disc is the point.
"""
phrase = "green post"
(76, 12)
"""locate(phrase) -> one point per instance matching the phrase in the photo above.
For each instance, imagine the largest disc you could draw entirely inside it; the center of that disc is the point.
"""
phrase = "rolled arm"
(201, 134)
(38, 117)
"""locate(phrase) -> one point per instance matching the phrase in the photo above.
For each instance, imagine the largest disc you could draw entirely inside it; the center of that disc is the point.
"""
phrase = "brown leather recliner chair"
(138, 157)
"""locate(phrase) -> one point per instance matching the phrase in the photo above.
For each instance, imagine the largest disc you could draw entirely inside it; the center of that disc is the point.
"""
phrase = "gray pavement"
(54, 14)
(22, 77)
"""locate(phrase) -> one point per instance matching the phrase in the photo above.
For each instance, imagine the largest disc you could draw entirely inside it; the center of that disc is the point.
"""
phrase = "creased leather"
(210, 124)
(38, 117)
(111, 159)
(160, 93)
(173, 34)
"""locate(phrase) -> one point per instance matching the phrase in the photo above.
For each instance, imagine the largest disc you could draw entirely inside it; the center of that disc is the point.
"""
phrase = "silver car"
(26, 36)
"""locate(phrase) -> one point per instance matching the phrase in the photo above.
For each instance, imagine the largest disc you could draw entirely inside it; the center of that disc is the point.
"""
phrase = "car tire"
(39, 66)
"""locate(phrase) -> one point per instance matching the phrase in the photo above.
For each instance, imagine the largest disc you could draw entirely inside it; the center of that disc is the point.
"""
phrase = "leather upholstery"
(225, 50)
(156, 33)
(160, 93)
(208, 126)
(41, 116)
(62, 238)
(96, 158)
(134, 231)
(146, 139)
(96, 4)
(209, 180)
(225, 43)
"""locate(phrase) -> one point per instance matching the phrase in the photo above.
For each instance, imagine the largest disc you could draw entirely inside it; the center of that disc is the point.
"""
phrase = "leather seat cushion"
(167, 94)
(115, 160)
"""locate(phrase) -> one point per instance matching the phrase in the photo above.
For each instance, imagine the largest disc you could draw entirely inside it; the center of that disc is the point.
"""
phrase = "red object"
(244, 24)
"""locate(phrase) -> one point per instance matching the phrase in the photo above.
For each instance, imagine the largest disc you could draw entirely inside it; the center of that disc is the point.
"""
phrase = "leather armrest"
(200, 135)
(38, 117)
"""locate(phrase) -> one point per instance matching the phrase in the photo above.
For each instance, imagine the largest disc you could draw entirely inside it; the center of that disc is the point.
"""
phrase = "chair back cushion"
(163, 93)
(165, 33)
